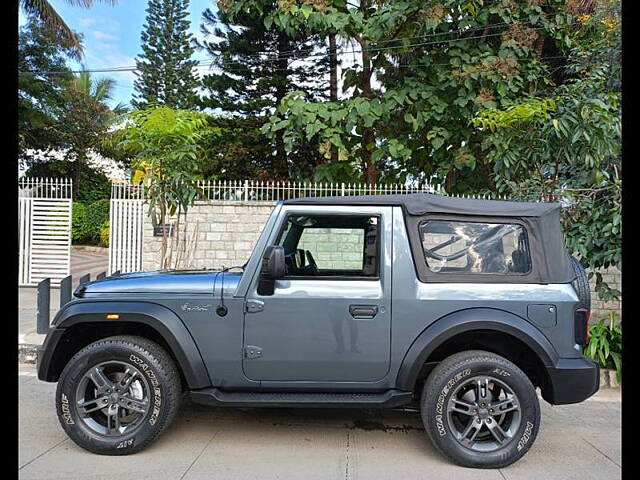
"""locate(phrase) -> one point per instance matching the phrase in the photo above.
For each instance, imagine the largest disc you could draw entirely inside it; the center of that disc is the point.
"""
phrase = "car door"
(331, 322)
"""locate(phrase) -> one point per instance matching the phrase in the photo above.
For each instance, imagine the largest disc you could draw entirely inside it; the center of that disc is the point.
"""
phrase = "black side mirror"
(273, 267)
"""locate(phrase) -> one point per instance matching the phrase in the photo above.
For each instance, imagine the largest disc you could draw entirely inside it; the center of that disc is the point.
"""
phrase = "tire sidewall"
(151, 423)
(434, 414)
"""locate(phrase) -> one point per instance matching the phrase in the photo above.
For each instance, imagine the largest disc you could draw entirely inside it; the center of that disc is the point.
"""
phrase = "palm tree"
(99, 90)
(43, 10)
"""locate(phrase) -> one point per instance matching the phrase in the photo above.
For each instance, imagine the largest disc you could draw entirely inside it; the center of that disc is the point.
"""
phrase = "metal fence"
(253, 190)
(44, 229)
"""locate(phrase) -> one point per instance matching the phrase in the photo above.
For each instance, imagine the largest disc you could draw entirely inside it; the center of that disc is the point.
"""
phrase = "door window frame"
(283, 225)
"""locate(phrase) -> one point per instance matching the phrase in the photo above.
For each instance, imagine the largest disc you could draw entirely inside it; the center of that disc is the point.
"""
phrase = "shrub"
(104, 234)
(88, 221)
(78, 225)
(605, 344)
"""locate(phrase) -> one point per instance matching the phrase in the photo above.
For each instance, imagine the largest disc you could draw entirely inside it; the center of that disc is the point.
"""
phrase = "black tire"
(449, 378)
(581, 284)
(154, 378)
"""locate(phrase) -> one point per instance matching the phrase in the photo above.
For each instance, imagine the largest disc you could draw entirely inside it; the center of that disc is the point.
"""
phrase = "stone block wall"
(218, 233)
(224, 233)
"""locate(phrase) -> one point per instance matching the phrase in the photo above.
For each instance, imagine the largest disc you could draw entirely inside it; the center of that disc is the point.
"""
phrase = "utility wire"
(213, 63)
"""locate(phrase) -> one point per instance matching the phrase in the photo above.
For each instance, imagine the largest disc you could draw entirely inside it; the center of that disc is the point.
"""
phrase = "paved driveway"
(575, 442)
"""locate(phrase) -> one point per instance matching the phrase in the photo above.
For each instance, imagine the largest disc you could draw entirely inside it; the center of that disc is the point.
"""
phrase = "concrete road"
(575, 442)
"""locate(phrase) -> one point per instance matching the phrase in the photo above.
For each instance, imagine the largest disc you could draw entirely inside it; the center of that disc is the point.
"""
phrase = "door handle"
(363, 311)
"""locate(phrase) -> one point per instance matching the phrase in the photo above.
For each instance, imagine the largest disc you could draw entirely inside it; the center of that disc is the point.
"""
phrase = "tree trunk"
(281, 164)
(333, 83)
(368, 136)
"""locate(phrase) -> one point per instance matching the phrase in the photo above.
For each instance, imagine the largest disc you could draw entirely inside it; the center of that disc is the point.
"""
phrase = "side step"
(219, 398)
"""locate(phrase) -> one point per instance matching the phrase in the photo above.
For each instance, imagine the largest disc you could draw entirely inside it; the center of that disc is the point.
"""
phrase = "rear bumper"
(572, 380)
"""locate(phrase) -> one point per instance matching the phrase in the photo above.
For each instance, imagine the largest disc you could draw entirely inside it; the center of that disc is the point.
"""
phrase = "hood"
(166, 282)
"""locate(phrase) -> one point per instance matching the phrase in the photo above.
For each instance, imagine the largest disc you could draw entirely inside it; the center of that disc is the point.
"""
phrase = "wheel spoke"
(98, 403)
(505, 406)
(100, 380)
(113, 420)
(129, 376)
(129, 403)
(463, 407)
(497, 432)
(472, 428)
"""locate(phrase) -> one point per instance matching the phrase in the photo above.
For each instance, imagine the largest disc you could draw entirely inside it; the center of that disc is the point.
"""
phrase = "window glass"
(330, 245)
(475, 247)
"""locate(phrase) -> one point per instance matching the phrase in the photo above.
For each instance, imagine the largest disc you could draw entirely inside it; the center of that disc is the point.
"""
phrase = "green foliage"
(605, 344)
(79, 232)
(104, 234)
(40, 96)
(92, 186)
(566, 146)
(166, 145)
(165, 69)
(247, 86)
(87, 222)
(438, 62)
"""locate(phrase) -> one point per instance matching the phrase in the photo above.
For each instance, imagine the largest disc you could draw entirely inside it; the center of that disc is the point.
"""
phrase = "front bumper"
(571, 380)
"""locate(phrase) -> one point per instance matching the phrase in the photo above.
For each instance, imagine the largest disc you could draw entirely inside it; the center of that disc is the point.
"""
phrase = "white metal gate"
(44, 226)
(126, 221)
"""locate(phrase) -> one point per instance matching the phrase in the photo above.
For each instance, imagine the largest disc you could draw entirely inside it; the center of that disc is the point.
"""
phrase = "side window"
(475, 247)
(330, 245)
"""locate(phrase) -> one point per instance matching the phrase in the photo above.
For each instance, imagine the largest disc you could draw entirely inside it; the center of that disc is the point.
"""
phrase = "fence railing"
(253, 190)
(45, 187)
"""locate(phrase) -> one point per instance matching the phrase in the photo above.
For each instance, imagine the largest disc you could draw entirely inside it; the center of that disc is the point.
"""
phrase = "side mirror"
(273, 267)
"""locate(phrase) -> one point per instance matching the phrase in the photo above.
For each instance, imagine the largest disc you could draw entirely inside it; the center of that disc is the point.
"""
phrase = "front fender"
(466, 320)
(158, 317)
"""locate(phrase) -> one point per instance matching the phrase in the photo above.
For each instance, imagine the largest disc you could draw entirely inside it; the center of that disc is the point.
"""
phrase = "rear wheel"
(117, 395)
(480, 410)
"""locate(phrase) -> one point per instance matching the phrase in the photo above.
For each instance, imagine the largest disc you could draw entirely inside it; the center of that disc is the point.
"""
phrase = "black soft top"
(550, 260)
(423, 203)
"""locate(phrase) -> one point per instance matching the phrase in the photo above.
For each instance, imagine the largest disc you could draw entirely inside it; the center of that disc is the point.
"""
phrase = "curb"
(27, 353)
(91, 249)
(608, 379)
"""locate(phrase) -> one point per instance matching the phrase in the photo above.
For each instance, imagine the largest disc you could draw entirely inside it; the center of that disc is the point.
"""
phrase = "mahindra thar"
(463, 308)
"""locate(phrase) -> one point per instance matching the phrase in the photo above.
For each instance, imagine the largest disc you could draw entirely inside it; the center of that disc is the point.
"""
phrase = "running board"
(218, 398)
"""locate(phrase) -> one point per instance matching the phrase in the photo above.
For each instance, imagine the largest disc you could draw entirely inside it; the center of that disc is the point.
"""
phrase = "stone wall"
(224, 233)
(218, 233)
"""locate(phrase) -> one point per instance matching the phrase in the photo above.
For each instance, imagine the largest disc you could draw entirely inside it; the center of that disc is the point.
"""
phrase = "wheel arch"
(82, 323)
(495, 330)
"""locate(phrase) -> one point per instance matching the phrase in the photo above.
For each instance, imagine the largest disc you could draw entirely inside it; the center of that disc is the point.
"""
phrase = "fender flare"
(160, 318)
(463, 321)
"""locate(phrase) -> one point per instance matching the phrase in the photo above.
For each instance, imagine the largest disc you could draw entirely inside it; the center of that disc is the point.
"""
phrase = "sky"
(112, 36)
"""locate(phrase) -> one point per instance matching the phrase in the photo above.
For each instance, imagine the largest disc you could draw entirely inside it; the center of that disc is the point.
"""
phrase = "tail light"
(581, 329)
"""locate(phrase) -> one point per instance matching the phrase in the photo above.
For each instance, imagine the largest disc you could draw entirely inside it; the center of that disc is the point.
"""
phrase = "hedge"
(88, 222)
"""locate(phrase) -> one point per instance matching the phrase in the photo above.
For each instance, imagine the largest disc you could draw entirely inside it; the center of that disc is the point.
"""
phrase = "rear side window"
(475, 247)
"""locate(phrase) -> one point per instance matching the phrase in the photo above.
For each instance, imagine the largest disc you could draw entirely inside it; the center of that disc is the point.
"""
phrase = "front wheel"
(116, 395)
(480, 410)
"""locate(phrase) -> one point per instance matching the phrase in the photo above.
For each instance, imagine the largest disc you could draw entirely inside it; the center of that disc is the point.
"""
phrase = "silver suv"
(462, 307)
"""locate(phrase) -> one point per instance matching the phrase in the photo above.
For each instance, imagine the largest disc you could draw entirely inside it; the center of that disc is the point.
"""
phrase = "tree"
(566, 145)
(167, 147)
(164, 69)
(44, 11)
(424, 70)
(257, 67)
(86, 118)
(40, 92)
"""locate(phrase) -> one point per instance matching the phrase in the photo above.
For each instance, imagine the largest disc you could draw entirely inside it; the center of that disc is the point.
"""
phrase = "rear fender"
(467, 320)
